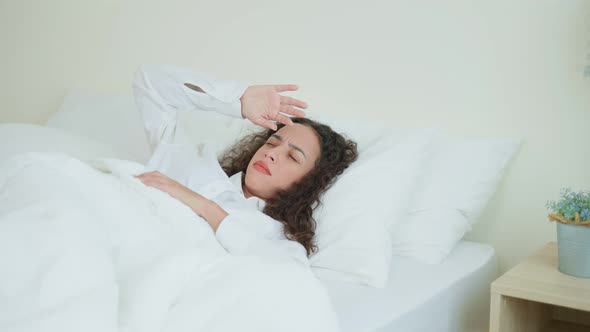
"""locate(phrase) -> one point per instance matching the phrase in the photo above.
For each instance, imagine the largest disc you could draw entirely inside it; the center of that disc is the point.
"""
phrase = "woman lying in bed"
(279, 173)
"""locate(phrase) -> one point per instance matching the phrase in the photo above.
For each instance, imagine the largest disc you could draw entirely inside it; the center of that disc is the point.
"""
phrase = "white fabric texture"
(110, 119)
(452, 296)
(161, 88)
(459, 180)
(27, 137)
(91, 248)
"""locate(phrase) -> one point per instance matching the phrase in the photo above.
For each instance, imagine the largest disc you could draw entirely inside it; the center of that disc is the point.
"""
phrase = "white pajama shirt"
(160, 93)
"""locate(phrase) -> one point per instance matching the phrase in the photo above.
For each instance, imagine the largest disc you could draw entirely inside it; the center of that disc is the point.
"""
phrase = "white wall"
(499, 68)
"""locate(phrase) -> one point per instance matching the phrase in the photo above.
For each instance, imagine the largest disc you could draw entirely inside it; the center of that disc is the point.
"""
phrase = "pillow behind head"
(461, 177)
(352, 223)
(216, 131)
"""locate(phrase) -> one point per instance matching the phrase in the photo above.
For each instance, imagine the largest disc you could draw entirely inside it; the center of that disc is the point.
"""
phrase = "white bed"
(452, 296)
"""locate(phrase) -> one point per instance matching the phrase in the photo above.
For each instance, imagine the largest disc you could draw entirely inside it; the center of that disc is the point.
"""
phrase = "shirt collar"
(254, 201)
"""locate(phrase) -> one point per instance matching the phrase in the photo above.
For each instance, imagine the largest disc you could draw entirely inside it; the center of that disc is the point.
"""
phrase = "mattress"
(451, 296)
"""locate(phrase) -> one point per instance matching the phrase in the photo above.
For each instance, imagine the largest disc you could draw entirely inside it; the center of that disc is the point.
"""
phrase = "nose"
(271, 155)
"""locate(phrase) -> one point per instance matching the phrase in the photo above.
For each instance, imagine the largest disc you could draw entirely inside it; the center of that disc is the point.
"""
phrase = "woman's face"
(289, 154)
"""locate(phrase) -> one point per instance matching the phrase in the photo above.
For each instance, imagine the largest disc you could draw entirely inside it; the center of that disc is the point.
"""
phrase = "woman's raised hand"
(262, 105)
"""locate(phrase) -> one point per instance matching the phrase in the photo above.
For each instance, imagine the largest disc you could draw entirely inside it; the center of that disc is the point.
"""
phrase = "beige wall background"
(500, 68)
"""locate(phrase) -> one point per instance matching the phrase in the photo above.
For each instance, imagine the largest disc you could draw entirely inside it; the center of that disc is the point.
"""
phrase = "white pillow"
(114, 119)
(27, 137)
(215, 130)
(354, 244)
(352, 236)
(108, 118)
(460, 178)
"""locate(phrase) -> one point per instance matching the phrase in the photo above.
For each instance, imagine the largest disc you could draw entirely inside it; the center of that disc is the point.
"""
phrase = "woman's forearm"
(214, 214)
(201, 205)
(208, 210)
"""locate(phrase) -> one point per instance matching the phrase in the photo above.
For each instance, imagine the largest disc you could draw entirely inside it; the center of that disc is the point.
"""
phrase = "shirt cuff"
(235, 234)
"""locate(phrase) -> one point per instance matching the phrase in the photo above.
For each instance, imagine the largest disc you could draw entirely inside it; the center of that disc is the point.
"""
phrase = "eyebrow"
(291, 145)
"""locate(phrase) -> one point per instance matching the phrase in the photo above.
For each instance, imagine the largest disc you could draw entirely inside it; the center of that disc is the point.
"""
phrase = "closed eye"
(290, 156)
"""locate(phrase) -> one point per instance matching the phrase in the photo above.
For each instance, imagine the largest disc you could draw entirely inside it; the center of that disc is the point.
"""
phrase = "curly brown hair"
(294, 206)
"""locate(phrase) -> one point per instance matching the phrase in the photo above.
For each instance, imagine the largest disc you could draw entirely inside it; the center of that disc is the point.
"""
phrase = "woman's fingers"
(291, 111)
(292, 102)
(268, 124)
(286, 87)
(260, 106)
(148, 173)
(283, 119)
(153, 178)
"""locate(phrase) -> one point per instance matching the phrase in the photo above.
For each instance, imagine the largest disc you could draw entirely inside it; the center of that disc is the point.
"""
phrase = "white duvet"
(82, 249)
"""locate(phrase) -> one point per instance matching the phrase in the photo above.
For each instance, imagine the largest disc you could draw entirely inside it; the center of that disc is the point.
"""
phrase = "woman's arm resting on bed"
(202, 206)
(239, 232)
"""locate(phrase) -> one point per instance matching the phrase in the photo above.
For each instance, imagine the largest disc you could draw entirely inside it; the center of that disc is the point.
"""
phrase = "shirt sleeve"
(160, 92)
(250, 232)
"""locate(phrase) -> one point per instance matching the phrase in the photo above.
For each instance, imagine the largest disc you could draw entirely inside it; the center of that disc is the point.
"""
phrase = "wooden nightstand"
(535, 296)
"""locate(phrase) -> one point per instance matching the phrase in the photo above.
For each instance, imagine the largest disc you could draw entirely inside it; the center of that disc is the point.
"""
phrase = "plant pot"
(573, 249)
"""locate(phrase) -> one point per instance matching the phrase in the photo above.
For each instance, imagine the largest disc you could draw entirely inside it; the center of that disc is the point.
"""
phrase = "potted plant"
(572, 214)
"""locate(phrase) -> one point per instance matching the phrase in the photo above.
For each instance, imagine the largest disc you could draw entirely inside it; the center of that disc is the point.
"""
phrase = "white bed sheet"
(451, 296)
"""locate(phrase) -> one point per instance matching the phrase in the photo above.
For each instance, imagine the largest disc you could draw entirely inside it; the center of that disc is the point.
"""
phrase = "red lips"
(261, 166)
